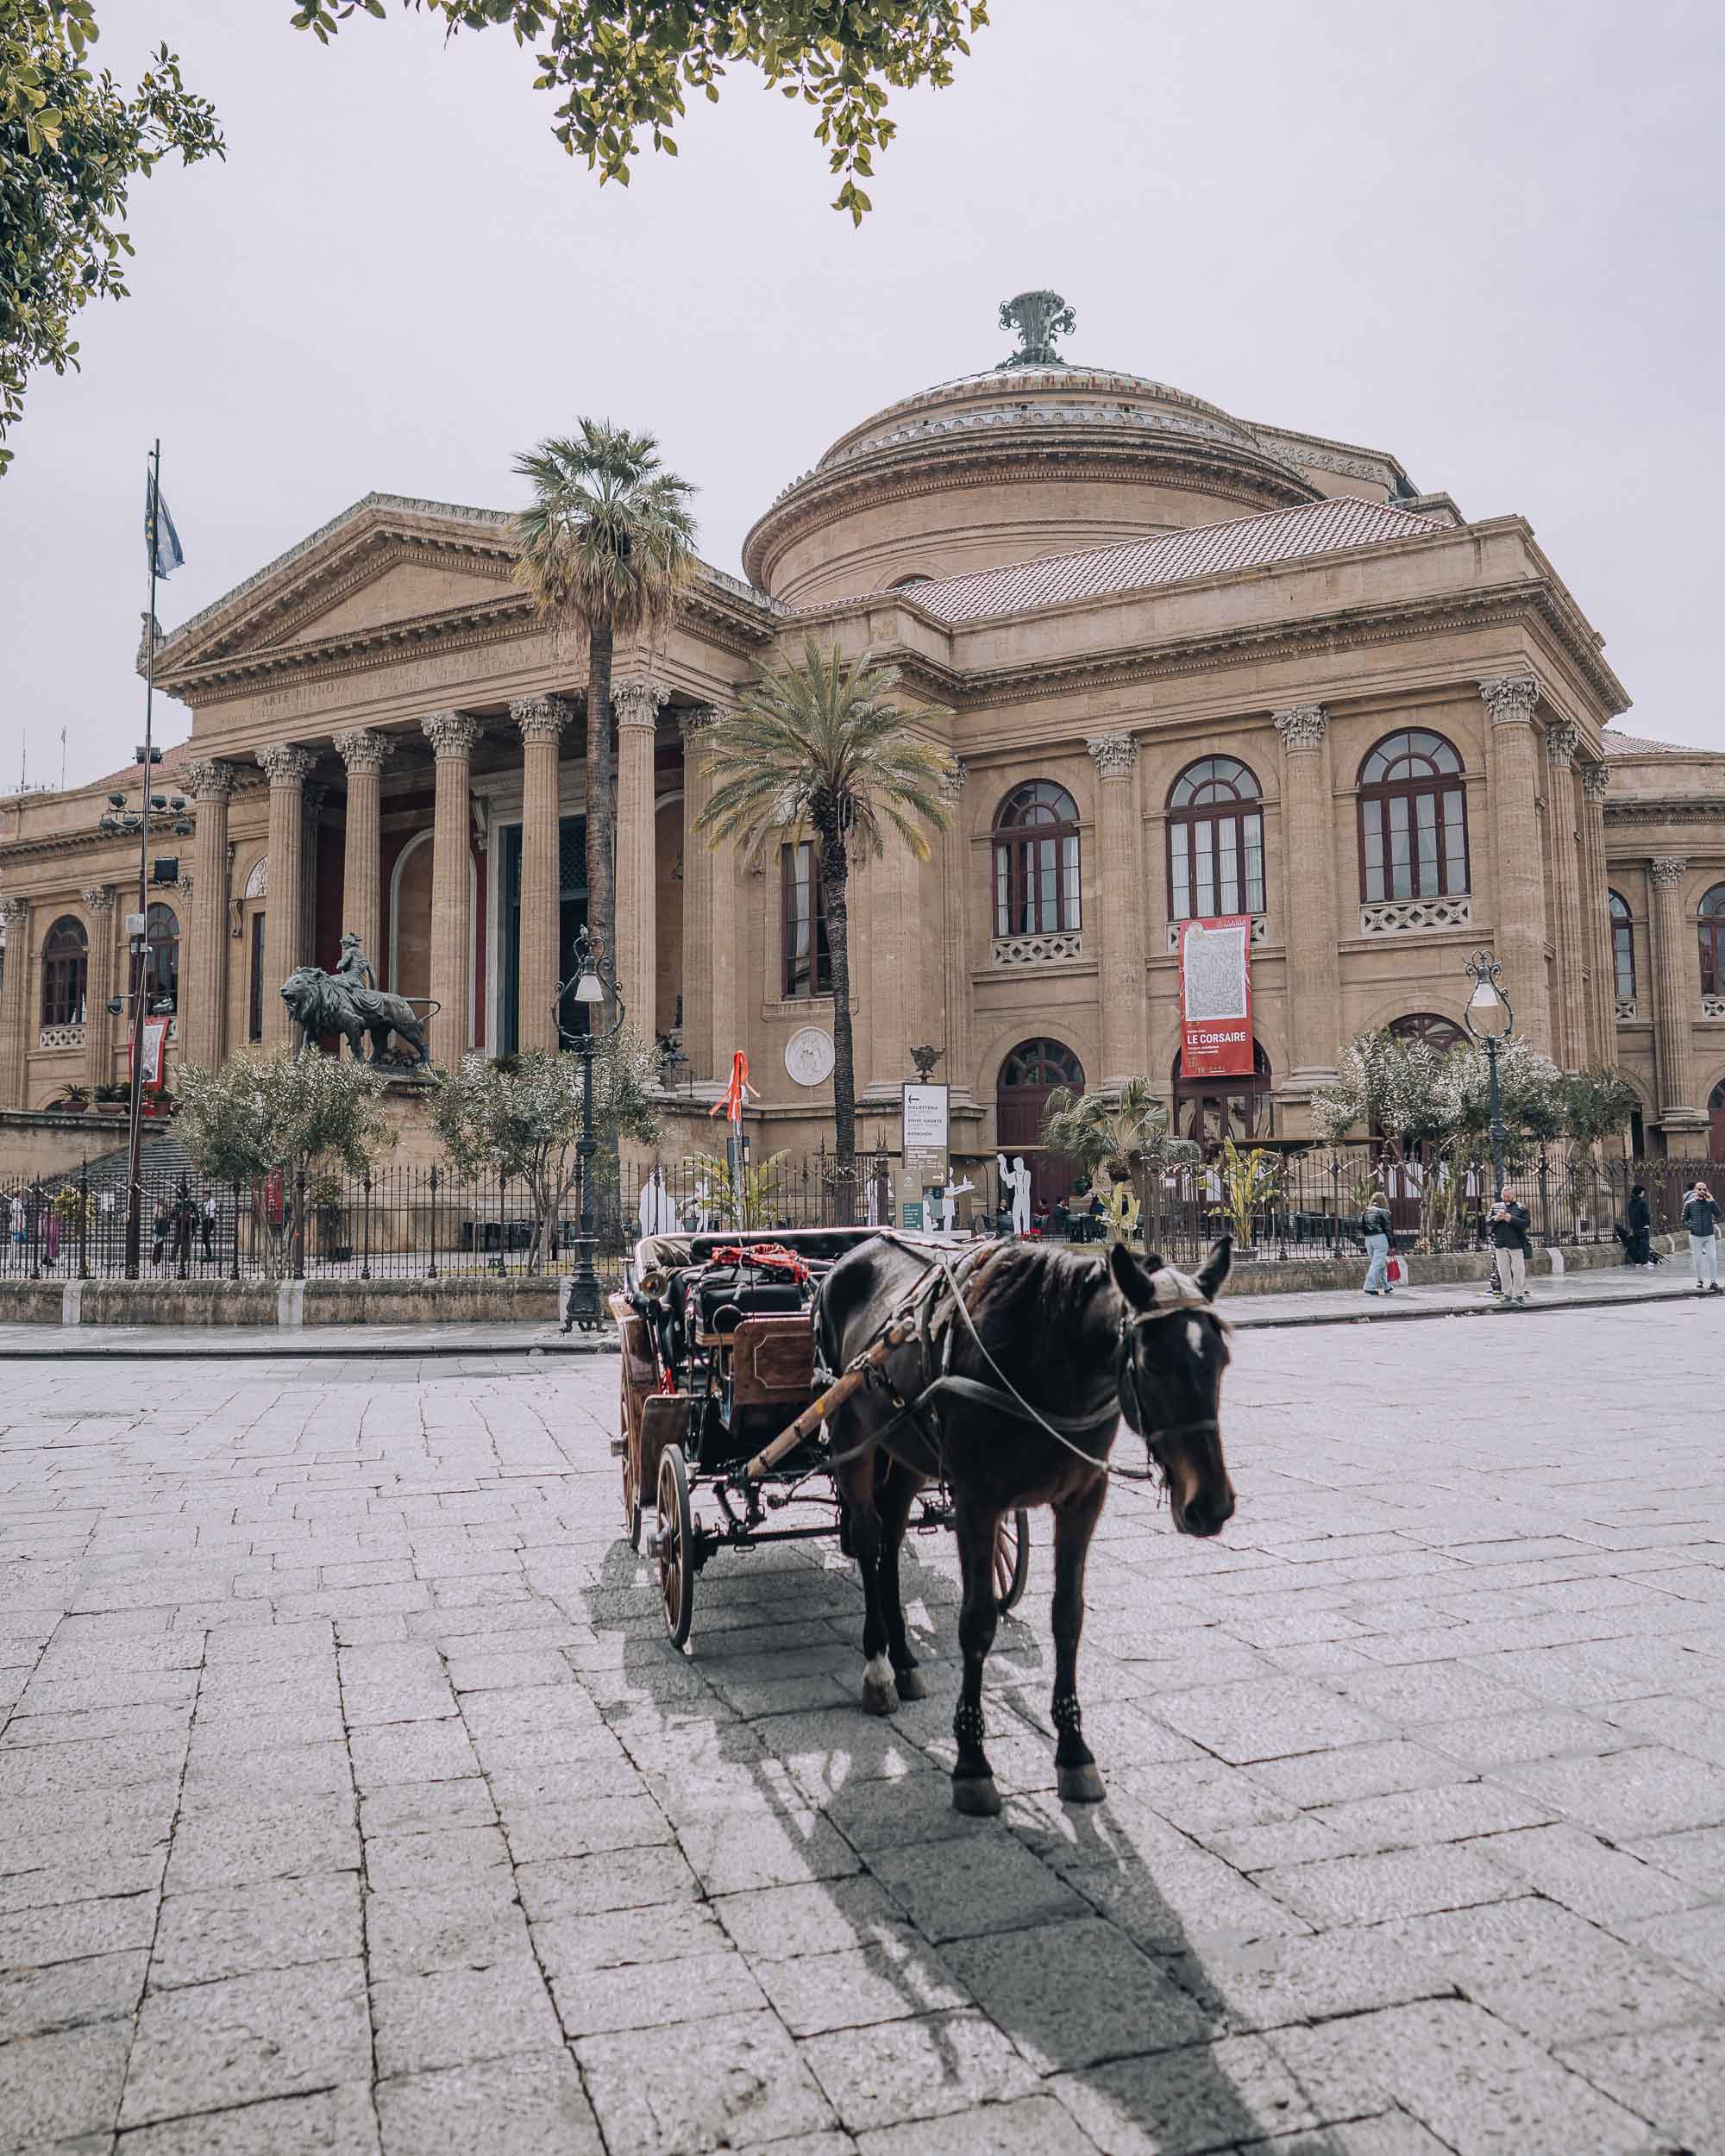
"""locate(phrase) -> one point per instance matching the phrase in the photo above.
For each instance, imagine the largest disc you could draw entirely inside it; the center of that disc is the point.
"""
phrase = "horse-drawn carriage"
(719, 1367)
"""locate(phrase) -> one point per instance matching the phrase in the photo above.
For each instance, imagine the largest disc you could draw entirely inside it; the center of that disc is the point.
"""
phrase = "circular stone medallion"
(808, 1056)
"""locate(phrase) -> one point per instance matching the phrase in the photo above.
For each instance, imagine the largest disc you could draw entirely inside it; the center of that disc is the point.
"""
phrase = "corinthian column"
(708, 917)
(1518, 873)
(1569, 1032)
(1120, 969)
(954, 851)
(365, 755)
(1596, 918)
(541, 720)
(98, 1026)
(452, 736)
(14, 1002)
(1676, 994)
(286, 769)
(636, 705)
(203, 972)
(1309, 933)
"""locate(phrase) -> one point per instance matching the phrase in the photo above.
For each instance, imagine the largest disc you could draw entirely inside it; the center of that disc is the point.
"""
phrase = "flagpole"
(140, 943)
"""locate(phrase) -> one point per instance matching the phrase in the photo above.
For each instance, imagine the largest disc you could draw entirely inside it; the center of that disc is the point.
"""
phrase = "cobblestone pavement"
(351, 1799)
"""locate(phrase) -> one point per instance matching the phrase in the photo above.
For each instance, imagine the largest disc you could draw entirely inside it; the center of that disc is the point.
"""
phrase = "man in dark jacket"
(1508, 1223)
(1701, 1217)
(1636, 1232)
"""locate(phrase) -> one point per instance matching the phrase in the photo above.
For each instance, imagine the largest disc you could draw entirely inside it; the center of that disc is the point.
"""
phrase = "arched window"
(161, 958)
(1713, 941)
(1622, 949)
(1036, 860)
(1027, 1076)
(65, 973)
(1430, 1026)
(905, 583)
(1413, 819)
(1211, 1109)
(1215, 842)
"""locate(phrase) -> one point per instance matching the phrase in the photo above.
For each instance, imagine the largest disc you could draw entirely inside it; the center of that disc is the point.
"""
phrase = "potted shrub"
(70, 1100)
(1250, 1179)
(113, 1099)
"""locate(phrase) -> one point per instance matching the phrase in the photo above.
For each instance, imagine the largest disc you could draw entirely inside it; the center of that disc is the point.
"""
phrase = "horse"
(1029, 1377)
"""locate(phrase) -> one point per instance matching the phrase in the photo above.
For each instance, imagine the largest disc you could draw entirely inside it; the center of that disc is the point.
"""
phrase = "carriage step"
(618, 1447)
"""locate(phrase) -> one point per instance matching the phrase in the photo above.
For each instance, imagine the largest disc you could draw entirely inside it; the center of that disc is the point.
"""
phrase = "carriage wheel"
(1011, 1558)
(676, 1571)
(631, 1494)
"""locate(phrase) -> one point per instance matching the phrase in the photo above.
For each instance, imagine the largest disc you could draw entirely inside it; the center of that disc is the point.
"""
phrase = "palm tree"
(1113, 1131)
(607, 542)
(821, 748)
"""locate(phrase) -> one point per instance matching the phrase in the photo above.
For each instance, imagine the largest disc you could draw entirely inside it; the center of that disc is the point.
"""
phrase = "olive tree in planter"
(522, 1116)
(299, 1118)
(1118, 1133)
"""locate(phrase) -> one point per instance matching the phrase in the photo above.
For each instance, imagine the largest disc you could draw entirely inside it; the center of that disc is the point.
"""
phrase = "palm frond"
(607, 535)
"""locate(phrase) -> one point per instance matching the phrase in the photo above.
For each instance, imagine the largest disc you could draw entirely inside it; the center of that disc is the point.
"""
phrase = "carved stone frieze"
(285, 765)
(541, 718)
(1302, 727)
(451, 734)
(1510, 699)
(1115, 756)
(364, 749)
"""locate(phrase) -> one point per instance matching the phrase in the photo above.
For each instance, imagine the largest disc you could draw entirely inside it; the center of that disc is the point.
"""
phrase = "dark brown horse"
(1079, 1342)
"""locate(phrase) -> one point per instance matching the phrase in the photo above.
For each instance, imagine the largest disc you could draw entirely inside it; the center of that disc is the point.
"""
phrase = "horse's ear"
(1131, 1278)
(1215, 1269)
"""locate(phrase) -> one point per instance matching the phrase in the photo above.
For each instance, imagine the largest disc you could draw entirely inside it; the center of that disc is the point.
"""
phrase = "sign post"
(923, 1150)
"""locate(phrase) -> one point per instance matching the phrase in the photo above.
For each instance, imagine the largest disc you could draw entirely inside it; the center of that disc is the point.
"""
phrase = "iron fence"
(411, 1223)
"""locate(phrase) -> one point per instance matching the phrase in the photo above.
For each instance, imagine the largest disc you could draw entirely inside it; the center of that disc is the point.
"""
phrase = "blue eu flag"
(159, 535)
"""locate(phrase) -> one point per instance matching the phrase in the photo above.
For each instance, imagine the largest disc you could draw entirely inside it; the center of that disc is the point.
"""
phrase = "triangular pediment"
(386, 562)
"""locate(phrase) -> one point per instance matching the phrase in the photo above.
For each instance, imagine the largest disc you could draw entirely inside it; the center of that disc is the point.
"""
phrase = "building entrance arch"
(1033, 1071)
(1207, 1109)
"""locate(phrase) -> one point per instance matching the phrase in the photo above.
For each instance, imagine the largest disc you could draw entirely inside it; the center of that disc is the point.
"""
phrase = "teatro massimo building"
(1188, 664)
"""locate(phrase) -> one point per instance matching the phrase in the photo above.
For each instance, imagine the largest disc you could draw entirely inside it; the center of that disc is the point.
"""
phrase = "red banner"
(1215, 998)
(155, 1054)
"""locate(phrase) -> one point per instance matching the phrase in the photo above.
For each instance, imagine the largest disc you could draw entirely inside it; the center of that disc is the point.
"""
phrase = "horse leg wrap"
(967, 1726)
(1069, 1718)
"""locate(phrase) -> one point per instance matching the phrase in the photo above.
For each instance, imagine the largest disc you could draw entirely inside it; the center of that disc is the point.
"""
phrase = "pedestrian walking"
(1509, 1239)
(207, 1222)
(1701, 1217)
(161, 1228)
(185, 1220)
(1635, 1231)
(1375, 1229)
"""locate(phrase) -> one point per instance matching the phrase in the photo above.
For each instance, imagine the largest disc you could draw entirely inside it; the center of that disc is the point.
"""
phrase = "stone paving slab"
(352, 1802)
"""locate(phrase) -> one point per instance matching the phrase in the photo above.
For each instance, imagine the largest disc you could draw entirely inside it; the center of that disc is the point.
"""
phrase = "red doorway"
(1029, 1075)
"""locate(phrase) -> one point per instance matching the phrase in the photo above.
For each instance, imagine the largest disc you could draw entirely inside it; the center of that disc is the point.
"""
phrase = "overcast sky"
(1485, 237)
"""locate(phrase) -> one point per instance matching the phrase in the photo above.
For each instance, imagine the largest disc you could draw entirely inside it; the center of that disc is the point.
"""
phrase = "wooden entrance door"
(1029, 1075)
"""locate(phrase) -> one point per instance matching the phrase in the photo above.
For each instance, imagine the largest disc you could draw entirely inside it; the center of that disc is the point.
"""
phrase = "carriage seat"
(753, 1296)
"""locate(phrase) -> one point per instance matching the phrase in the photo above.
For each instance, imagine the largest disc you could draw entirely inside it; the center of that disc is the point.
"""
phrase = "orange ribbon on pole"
(736, 1092)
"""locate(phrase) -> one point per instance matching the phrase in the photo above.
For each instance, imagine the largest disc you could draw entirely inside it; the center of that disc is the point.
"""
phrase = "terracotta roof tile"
(1618, 744)
(1245, 542)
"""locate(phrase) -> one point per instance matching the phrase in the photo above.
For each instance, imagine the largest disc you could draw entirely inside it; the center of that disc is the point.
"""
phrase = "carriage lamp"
(1489, 1019)
(592, 982)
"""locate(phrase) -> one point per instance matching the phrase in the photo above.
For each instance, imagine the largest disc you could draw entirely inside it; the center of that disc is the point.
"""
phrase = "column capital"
(1511, 697)
(285, 765)
(361, 749)
(1667, 871)
(1302, 727)
(14, 909)
(638, 700)
(541, 718)
(1563, 738)
(953, 779)
(693, 719)
(1596, 780)
(98, 897)
(212, 780)
(451, 734)
(1115, 756)
(185, 883)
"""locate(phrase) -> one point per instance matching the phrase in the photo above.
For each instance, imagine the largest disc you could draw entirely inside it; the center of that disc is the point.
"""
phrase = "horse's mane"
(1032, 1294)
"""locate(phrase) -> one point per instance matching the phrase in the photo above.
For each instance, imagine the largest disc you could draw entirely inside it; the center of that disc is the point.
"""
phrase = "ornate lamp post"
(592, 980)
(1491, 1020)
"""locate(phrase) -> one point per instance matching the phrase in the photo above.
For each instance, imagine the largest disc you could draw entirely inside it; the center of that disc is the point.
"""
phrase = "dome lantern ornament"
(1039, 318)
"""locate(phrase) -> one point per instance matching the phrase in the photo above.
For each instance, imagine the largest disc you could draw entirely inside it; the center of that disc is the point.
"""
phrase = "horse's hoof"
(1079, 1785)
(978, 1796)
(909, 1685)
(878, 1699)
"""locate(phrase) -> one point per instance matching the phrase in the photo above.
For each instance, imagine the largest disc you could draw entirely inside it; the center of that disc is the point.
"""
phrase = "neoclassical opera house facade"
(1188, 663)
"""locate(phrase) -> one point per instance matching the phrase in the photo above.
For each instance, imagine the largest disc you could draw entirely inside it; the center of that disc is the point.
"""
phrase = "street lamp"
(1491, 1020)
(592, 980)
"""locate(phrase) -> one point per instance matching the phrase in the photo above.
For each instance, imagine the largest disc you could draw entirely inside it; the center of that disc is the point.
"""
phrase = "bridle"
(1184, 1297)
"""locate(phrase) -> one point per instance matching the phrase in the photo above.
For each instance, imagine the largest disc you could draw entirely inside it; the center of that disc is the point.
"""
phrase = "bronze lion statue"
(322, 1003)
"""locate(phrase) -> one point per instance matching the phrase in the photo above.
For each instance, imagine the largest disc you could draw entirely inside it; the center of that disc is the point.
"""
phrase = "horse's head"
(1173, 1351)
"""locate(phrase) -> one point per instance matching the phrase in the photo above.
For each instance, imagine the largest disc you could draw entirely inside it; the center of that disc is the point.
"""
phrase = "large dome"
(1031, 458)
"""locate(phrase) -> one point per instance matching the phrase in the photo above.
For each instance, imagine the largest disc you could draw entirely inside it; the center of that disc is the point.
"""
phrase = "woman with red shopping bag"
(1374, 1227)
